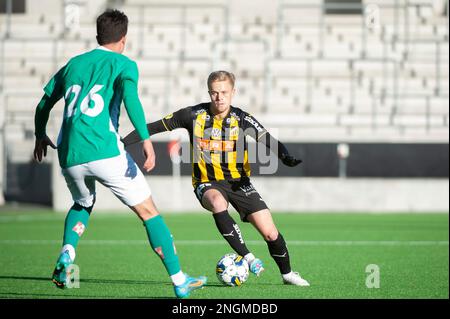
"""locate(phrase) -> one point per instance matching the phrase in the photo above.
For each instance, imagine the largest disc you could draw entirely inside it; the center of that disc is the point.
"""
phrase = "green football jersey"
(93, 86)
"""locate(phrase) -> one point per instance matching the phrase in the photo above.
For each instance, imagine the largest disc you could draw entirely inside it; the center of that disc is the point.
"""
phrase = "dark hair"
(112, 25)
(221, 76)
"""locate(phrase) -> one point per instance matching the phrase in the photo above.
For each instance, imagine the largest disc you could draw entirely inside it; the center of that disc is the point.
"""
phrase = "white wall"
(291, 194)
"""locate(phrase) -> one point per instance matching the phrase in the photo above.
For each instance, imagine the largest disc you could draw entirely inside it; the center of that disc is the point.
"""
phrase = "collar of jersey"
(101, 47)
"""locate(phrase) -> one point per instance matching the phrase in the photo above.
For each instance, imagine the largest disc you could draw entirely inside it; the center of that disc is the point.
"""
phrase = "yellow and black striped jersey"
(219, 147)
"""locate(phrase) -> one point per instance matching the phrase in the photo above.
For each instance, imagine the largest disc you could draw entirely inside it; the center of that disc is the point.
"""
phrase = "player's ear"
(122, 41)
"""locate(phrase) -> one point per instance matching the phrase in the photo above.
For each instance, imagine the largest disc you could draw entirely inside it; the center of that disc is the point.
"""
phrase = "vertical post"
(174, 148)
(343, 151)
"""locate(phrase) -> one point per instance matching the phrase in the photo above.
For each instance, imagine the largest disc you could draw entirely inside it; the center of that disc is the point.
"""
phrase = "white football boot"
(294, 278)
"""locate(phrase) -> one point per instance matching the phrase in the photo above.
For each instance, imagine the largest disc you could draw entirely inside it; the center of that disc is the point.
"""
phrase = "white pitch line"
(251, 242)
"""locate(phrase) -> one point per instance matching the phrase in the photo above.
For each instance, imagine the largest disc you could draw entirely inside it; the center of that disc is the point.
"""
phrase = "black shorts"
(241, 194)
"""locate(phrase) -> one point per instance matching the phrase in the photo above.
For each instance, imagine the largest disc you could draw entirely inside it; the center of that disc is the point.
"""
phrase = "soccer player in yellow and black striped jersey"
(221, 169)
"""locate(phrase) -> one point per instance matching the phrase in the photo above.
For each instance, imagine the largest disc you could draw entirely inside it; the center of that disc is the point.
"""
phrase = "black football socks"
(231, 232)
(279, 252)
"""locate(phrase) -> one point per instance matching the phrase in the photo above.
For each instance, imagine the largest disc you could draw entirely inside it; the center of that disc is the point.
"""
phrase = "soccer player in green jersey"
(221, 169)
(93, 86)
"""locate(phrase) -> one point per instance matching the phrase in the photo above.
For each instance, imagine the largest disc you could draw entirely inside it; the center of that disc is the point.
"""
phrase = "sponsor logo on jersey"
(248, 190)
(254, 123)
(215, 145)
(234, 115)
(219, 146)
(234, 131)
(200, 189)
(200, 111)
(228, 146)
(216, 133)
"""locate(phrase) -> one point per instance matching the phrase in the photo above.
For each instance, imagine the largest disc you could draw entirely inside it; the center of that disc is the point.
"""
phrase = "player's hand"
(40, 148)
(149, 154)
(290, 160)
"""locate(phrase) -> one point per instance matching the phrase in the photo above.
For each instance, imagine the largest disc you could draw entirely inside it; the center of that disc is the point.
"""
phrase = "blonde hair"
(221, 76)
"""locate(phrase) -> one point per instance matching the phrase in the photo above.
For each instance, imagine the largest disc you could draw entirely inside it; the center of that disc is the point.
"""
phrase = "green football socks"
(76, 223)
(162, 243)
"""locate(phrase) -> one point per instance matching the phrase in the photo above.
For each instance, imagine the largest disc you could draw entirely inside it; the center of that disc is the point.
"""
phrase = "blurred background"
(357, 89)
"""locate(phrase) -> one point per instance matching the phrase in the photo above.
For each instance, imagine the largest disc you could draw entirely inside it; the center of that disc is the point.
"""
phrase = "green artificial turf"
(331, 251)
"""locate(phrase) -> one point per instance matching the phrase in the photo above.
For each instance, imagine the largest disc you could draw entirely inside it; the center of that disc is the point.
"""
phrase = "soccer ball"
(232, 270)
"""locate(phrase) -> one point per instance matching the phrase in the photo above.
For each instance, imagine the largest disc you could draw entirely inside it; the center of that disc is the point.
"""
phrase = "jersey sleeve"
(129, 82)
(178, 119)
(252, 127)
(54, 88)
(53, 92)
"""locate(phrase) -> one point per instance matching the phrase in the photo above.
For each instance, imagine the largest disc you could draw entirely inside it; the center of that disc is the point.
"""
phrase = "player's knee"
(146, 210)
(218, 203)
(147, 214)
(271, 235)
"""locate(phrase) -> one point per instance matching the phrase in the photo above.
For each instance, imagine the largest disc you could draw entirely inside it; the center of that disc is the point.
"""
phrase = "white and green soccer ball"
(232, 270)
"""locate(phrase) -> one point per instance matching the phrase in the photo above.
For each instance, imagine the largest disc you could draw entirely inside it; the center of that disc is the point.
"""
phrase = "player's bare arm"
(149, 153)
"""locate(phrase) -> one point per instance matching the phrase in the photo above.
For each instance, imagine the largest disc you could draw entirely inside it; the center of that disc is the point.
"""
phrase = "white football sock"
(179, 278)
(70, 250)
(249, 258)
